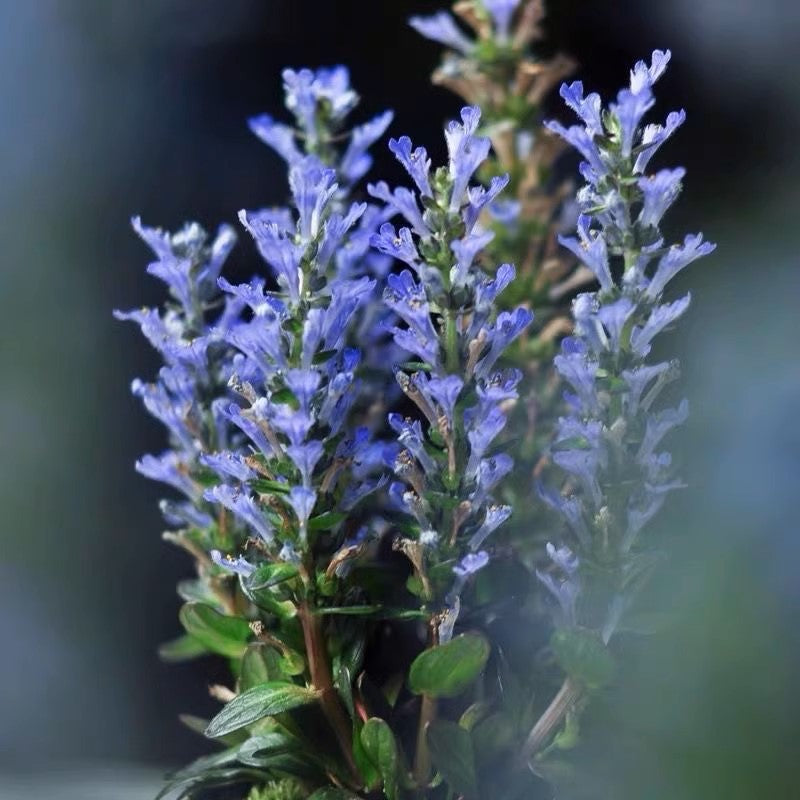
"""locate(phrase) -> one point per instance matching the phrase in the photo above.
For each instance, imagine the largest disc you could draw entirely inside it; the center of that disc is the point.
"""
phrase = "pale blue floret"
(442, 28)
(243, 506)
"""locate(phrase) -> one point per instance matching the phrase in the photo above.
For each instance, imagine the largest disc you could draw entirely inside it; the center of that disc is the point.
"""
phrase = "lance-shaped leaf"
(226, 636)
(452, 754)
(448, 669)
(261, 701)
(381, 749)
(184, 648)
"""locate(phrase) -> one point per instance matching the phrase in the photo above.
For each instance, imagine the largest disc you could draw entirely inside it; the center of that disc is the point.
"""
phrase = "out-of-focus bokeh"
(112, 108)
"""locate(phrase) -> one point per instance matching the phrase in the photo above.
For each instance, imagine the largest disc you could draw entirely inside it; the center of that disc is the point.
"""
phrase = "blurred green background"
(114, 108)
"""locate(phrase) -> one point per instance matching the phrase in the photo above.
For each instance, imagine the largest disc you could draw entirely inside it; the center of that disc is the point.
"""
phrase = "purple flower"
(303, 383)
(591, 250)
(495, 517)
(465, 251)
(583, 142)
(312, 185)
(334, 230)
(280, 137)
(490, 472)
(279, 251)
(445, 392)
(401, 201)
(415, 162)
(471, 563)
(578, 370)
(227, 464)
(442, 28)
(480, 197)
(241, 566)
(659, 424)
(397, 244)
(654, 136)
(571, 508)
(409, 435)
(644, 76)
(638, 379)
(302, 501)
(486, 291)
(242, 506)
(565, 589)
(614, 316)
(502, 11)
(168, 468)
(356, 161)
(466, 152)
(184, 515)
(675, 259)
(660, 191)
(171, 410)
(587, 108)
(660, 318)
(507, 327)
(262, 341)
(629, 110)
(498, 387)
(306, 90)
(409, 301)
(305, 456)
(484, 428)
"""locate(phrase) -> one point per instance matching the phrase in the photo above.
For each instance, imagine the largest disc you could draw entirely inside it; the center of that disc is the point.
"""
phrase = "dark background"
(113, 108)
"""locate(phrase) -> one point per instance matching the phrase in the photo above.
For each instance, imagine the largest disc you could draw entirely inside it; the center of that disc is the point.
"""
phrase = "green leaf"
(323, 356)
(184, 789)
(381, 749)
(268, 575)
(344, 685)
(447, 670)
(583, 656)
(255, 666)
(452, 754)
(326, 521)
(265, 700)
(224, 635)
(207, 763)
(263, 486)
(284, 396)
(184, 648)
(276, 750)
(369, 772)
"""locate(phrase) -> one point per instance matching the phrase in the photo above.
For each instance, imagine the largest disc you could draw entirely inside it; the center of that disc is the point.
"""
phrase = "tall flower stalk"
(258, 398)
(609, 444)
(501, 69)
(448, 463)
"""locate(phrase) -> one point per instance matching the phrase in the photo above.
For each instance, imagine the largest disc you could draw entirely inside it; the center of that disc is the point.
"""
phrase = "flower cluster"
(343, 432)
(447, 474)
(502, 72)
(186, 396)
(294, 372)
(609, 444)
